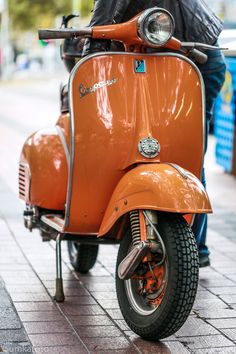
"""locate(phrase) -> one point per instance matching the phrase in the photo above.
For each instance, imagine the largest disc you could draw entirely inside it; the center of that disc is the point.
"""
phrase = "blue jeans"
(213, 73)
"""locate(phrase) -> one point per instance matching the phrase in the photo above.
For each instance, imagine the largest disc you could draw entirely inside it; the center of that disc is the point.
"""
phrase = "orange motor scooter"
(124, 166)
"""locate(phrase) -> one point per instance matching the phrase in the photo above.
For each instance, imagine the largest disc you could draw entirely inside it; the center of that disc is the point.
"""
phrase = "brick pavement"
(90, 320)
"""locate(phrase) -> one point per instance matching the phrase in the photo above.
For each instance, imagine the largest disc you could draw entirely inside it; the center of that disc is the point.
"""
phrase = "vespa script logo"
(83, 90)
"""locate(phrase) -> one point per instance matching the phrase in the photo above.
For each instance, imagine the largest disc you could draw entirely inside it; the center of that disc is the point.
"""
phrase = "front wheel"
(157, 299)
(82, 256)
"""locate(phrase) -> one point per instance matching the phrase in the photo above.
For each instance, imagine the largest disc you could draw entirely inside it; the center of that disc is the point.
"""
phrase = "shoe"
(204, 261)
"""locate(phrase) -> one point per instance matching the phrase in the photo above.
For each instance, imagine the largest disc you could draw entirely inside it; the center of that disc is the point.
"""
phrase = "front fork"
(145, 239)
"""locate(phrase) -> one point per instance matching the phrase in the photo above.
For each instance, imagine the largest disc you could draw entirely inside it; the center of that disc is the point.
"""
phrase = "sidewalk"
(90, 320)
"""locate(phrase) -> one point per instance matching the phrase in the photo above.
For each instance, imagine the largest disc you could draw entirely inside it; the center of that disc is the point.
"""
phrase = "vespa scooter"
(124, 166)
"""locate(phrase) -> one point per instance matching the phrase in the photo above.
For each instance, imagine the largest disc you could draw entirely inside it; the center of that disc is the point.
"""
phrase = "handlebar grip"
(198, 56)
(64, 33)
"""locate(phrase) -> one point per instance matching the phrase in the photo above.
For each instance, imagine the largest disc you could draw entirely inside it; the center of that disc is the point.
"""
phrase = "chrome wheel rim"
(144, 305)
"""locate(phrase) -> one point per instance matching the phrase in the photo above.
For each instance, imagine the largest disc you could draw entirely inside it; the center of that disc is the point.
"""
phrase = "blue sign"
(140, 66)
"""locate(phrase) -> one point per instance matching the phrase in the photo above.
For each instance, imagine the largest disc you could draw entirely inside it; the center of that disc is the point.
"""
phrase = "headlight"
(155, 26)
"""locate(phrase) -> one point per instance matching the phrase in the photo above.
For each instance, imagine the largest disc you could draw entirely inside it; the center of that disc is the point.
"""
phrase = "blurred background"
(21, 53)
(31, 72)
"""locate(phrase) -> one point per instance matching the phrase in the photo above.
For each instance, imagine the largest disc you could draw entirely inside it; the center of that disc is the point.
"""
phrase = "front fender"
(164, 187)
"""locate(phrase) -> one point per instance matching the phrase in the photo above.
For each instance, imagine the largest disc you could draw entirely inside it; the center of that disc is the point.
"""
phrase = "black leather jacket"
(194, 21)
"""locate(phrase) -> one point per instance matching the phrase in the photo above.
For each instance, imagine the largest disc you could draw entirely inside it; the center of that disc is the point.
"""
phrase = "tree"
(33, 14)
(28, 14)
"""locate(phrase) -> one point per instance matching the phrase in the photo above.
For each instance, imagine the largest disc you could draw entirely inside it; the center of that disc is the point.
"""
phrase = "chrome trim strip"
(178, 169)
(64, 144)
(72, 140)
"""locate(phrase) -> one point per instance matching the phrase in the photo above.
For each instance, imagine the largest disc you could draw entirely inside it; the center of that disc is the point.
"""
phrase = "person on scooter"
(194, 22)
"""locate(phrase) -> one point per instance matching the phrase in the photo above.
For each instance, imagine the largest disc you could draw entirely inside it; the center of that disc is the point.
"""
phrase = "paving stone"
(230, 333)
(48, 316)
(50, 284)
(99, 331)
(223, 323)
(98, 272)
(210, 273)
(28, 297)
(227, 350)
(71, 292)
(53, 339)
(74, 309)
(100, 287)
(107, 343)
(122, 325)
(115, 314)
(32, 289)
(16, 348)
(227, 271)
(51, 276)
(78, 349)
(86, 280)
(22, 280)
(47, 327)
(91, 321)
(35, 306)
(195, 327)
(230, 299)
(232, 277)
(215, 282)
(80, 300)
(12, 335)
(228, 290)
(205, 294)
(119, 351)
(109, 304)
(105, 295)
(209, 303)
(9, 319)
(5, 300)
(214, 341)
(12, 267)
(160, 347)
(215, 313)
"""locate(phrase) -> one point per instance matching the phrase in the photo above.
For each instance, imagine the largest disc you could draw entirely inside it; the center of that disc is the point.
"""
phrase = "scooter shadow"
(149, 347)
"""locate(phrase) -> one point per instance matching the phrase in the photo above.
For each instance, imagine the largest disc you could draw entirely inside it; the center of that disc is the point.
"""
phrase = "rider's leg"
(213, 73)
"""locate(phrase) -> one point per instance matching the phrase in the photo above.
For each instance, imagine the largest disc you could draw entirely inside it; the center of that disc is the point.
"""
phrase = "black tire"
(182, 266)
(82, 256)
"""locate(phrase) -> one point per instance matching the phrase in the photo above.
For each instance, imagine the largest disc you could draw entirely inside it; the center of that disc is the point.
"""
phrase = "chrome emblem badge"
(83, 90)
(149, 147)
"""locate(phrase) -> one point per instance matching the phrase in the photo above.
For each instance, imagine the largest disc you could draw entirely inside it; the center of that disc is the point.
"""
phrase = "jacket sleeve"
(106, 11)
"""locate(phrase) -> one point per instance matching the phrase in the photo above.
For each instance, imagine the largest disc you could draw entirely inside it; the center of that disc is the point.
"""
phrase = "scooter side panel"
(45, 184)
(114, 107)
(156, 187)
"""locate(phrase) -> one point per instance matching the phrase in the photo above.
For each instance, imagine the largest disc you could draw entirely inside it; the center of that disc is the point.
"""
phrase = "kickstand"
(59, 295)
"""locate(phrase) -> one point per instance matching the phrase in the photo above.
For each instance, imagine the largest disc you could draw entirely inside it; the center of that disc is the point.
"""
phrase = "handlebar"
(191, 50)
(202, 46)
(199, 57)
(188, 48)
(64, 33)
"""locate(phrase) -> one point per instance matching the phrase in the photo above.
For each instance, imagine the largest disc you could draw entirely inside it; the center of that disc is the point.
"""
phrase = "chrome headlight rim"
(142, 21)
